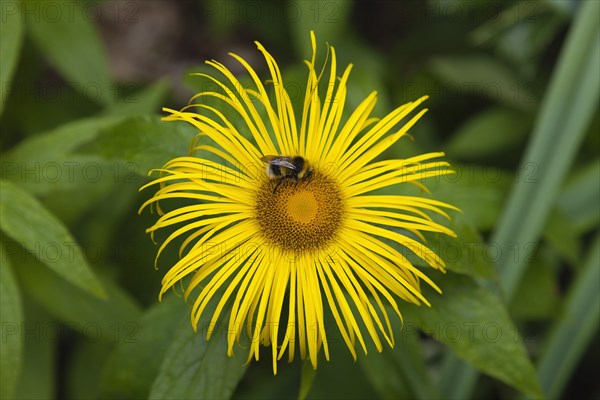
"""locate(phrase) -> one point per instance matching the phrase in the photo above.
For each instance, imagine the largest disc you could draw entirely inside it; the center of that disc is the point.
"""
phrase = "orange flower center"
(300, 216)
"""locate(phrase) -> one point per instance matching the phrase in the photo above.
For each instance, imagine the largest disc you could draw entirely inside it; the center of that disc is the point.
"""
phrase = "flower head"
(277, 250)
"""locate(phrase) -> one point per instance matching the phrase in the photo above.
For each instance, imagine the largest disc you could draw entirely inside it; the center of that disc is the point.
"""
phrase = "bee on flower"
(302, 239)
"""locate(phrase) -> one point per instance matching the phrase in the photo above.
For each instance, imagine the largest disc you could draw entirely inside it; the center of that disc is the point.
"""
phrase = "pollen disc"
(300, 216)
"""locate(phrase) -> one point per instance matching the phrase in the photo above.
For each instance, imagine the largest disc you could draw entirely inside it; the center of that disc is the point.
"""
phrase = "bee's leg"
(277, 186)
(279, 182)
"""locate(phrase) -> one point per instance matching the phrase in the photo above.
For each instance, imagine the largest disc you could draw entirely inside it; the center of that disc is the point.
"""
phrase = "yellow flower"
(275, 255)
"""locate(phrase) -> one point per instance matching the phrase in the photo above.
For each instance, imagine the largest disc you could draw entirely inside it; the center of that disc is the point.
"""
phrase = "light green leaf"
(488, 133)
(568, 106)
(84, 366)
(307, 378)
(45, 162)
(51, 145)
(341, 377)
(483, 77)
(580, 197)
(575, 329)
(474, 324)
(11, 37)
(145, 101)
(71, 42)
(194, 368)
(562, 236)
(110, 319)
(134, 364)
(478, 191)
(11, 318)
(40, 341)
(538, 294)
(467, 253)
(327, 18)
(146, 142)
(400, 373)
(40, 233)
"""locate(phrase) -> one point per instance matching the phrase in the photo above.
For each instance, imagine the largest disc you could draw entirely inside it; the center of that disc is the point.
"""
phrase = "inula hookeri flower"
(284, 230)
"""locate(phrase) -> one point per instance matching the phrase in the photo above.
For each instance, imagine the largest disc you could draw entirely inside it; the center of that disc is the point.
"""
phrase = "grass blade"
(568, 107)
(574, 331)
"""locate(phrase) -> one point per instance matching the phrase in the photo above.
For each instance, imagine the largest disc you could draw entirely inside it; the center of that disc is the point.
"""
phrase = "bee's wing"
(281, 161)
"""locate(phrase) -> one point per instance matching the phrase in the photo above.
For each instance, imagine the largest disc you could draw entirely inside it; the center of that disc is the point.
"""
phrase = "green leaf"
(569, 105)
(478, 191)
(489, 133)
(580, 197)
(562, 236)
(196, 368)
(307, 378)
(522, 32)
(45, 162)
(11, 318)
(341, 378)
(84, 365)
(11, 37)
(144, 141)
(70, 41)
(328, 19)
(53, 144)
(40, 233)
(40, 342)
(467, 253)
(537, 297)
(145, 101)
(575, 329)
(400, 373)
(474, 324)
(134, 364)
(110, 319)
(482, 76)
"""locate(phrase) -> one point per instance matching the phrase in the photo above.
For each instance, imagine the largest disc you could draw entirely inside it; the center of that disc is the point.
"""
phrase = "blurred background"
(513, 102)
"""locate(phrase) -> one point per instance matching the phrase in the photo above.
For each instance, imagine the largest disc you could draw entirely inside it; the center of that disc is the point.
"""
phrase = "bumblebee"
(287, 168)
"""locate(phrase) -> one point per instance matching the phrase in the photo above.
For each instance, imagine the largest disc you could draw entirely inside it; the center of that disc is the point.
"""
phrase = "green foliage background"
(513, 88)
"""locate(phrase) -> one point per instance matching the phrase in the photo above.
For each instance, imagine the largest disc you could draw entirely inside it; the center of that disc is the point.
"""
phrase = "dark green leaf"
(482, 77)
(11, 36)
(50, 145)
(569, 106)
(40, 233)
(196, 368)
(341, 377)
(478, 191)
(134, 364)
(144, 141)
(70, 41)
(467, 253)
(327, 18)
(306, 379)
(11, 318)
(562, 236)
(489, 133)
(472, 321)
(145, 101)
(580, 197)
(575, 329)
(400, 373)
(111, 319)
(522, 32)
(537, 297)
(45, 162)
(86, 361)
(40, 341)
